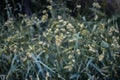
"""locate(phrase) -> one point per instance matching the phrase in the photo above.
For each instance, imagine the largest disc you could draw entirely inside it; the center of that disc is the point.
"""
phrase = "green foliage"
(68, 49)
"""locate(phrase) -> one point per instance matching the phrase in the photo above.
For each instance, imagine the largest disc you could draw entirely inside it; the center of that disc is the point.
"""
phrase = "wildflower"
(21, 15)
(70, 56)
(70, 26)
(92, 49)
(29, 23)
(9, 22)
(101, 28)
(85, 32)
(56, 31)
(71, 40)
(64, 23)
(96, 5)
(78, 6)
(73, 60)
(49, 7)
(58, 39)
(63, 29)
(73, 30)
(23, 58)
(61, 20)
(29, 54)
(78, 51)
(101, 57)
(69, 67)
(44, 34)
(59, 17)
(49, 31)
(44, 11)
(57, 25)
(67, 32)
(40, 42)
(96, 17)
(81, 25)
(44, 17)
(9, 38)
(14, 48)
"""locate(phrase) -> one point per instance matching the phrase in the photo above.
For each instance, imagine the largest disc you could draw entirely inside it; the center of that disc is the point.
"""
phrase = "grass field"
(59, 48)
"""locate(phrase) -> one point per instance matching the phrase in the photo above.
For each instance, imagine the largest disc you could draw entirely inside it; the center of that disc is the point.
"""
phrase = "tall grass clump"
(59, 48)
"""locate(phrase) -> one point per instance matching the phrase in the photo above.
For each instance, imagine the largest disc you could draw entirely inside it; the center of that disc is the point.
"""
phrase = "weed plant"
(59, 48)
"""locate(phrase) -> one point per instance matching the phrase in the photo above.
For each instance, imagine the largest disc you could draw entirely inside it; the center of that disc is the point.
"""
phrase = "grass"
(59, 48)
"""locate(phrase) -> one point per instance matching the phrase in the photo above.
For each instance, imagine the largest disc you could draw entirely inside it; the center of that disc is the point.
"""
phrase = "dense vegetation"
(60, 47)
